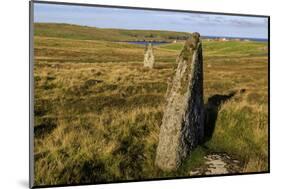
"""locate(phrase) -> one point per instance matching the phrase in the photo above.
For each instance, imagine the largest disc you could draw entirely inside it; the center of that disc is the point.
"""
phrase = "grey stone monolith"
(182, 125)
(148, 56)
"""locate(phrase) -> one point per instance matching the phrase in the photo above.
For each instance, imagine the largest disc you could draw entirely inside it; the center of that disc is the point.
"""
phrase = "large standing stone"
(148, 56)
(182, 124)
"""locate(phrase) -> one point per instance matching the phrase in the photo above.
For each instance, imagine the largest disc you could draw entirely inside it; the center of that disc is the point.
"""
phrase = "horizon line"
(212, 36)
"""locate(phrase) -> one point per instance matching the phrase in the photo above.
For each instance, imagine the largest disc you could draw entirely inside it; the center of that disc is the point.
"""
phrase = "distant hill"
(93, 33)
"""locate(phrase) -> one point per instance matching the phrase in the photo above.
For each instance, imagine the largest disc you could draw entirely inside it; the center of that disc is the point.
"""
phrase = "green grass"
(227, 48)
(98, 110)
(92, 33)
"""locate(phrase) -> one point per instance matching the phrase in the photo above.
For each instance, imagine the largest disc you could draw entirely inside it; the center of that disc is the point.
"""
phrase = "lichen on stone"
(182, 124)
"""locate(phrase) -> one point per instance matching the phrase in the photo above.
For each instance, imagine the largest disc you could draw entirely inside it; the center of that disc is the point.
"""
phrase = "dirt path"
(216, 164)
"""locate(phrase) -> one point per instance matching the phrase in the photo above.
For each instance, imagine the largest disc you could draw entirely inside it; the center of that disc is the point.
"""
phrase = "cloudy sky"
(206, 24)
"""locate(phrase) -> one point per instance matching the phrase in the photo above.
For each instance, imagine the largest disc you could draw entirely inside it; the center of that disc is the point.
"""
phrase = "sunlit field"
(98, 110)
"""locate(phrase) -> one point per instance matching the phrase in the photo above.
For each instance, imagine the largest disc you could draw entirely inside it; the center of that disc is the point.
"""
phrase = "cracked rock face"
(148, 56)
(182, 125)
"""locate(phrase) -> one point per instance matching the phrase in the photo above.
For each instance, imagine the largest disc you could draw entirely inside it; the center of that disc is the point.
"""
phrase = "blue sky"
(206, 24)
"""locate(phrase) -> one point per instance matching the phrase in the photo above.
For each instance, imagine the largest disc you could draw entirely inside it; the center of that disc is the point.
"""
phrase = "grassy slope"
(92, 51)
(100, 122)
(93, 33)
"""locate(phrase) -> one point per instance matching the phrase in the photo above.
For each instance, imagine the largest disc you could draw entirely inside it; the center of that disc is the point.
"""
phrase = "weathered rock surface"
(218, 164)
(182, 125)
(149, 60)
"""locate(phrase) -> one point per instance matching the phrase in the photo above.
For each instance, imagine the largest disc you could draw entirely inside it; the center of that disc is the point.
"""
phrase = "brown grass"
(98, 111)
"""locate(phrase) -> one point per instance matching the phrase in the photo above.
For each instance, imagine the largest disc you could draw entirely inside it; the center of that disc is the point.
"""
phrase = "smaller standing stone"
(148, 56)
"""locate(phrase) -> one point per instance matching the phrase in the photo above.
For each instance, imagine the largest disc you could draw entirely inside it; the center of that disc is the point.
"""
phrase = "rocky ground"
(217, 164)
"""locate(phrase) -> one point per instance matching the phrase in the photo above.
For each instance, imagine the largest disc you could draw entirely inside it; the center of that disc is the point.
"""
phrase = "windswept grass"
(98, 110)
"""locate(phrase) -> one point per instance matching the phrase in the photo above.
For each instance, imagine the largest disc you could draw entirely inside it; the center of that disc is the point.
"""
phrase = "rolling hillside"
(93, 33)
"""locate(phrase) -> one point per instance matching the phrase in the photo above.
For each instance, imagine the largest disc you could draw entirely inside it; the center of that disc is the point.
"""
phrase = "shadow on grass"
(46, 126)
(211, 112)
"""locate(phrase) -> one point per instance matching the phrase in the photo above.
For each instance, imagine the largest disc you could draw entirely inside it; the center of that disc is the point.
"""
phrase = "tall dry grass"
(98, 121)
